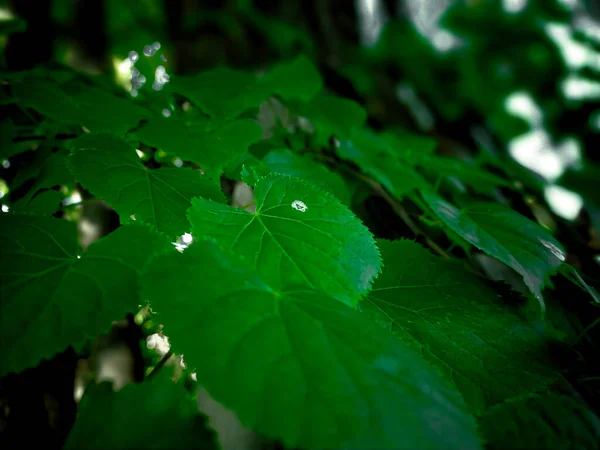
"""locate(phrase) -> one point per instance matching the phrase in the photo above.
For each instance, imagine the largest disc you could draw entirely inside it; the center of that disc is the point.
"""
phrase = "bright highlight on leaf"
(110, 168)
(458, 324)
(50, 299)
(297, 365)
(299, 236)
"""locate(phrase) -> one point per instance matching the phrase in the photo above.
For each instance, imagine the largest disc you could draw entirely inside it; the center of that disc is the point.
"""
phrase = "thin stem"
(160, 364)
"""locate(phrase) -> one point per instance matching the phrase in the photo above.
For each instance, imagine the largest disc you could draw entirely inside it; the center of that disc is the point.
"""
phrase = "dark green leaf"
(89, 106)
(456, 322)
(376, 159)
(506, 235)
(111, 170)
(298, 365)
(210, 149)
(44, 204)
(299, 236)
(7, 132)
(50, 299)
(156, 414)
(549, 421)
(297, 79)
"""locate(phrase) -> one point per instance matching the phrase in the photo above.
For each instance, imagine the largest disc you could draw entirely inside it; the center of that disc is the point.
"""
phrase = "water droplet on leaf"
(299, 205)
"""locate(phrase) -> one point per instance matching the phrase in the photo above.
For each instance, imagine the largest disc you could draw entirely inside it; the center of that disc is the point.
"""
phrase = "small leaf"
(376, 159)
(288, 163)
(297, 79)
(44, 204)
(222, 93)
(548, 421)
(455, 321)
(332, 115)
(299, 236)
(53, 172)
(210, 149)
(79, 104)
(50, 299)
(155, 414)
(505, 235)
(298, 365)
(112, 171)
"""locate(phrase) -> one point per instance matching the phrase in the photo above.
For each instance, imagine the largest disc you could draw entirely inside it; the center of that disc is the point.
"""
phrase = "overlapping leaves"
(50, 299)
(341, 380)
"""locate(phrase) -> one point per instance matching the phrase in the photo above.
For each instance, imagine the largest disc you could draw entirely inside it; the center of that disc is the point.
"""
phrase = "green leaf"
(298, 79)
(332, 115)
(7, 132)
(221, 93)
(44, 204)
(288, 163)
(53, 172)
(112, 171)
(298, 236)
(79, 104)
(456, 322)
(210, 149)
(549, 421)
(156, 414)
(225, 93)
(376, 159)
(505, 235)
(50, 299)
(298, 365)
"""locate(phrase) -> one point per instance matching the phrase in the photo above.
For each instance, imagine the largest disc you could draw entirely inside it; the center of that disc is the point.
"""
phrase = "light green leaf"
(210, 149)
(79, 104)
(156, 414)
(50, 299)
(549, 421)
(44, 204)
(288, 163)
(505, 235)
(297, 79)
(376, 159)
(457, 323)
(297, 365)
(298, 236)
(108, 167)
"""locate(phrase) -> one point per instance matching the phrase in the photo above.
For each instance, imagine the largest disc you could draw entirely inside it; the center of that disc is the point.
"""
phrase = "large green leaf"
(296, 364)
(376, 159)
(210, 149)
(288, 163)
(110, 168)
(548, 421)
(80, 104)
(50, 299)
(506, 235)
(156, 414)
(298, 236)
(225, 93)
(456, 322)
